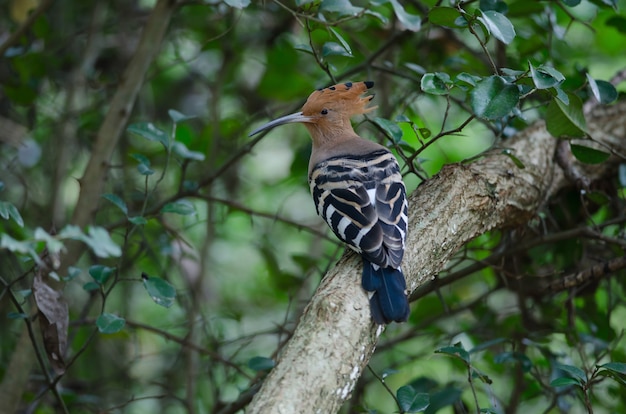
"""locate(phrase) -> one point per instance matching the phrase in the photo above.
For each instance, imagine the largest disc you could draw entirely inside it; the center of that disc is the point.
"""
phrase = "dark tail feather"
(389, 302)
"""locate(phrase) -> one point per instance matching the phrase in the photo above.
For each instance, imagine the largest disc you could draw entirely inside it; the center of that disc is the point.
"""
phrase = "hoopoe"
(358, 190)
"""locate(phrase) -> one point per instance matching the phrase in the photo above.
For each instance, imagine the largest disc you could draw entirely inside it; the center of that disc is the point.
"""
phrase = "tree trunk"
(335, 337)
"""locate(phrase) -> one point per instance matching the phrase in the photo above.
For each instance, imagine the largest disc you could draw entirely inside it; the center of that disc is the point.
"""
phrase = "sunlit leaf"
(108, 323)
(341, 40)
(435, 83)
(160, 290)
(603, 91)
(343, 7)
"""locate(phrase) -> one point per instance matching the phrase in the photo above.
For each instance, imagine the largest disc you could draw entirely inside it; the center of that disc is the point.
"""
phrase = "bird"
(358, 190)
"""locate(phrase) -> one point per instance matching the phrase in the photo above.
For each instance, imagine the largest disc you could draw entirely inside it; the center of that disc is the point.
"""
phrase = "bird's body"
(358, 190)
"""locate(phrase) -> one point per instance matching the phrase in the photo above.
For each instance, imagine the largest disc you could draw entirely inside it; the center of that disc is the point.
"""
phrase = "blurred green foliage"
(219, 229)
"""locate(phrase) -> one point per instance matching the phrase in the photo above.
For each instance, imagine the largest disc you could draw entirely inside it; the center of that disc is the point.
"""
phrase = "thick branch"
(336, 338)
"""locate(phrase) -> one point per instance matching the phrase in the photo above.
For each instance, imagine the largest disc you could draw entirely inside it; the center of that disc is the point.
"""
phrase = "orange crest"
(344, 97)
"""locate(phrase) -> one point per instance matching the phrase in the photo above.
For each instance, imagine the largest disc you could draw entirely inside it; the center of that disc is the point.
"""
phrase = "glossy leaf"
(588, 155)
(573, 372)
(411, 401)
(494, 97)
(566, 121)
(435, 83)
(617, 367)
(108, 323)
(138, 220)
(391, 128)
(101, 273)
(181, 149)
(498, 25)
(456, 351)
(411, 21)
(544, 78)
(334, 49)
(160, 290)
(343, 7)
(603, 91)
(341, 41)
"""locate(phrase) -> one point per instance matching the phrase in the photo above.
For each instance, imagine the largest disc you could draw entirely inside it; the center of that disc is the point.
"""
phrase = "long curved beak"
(287, 119)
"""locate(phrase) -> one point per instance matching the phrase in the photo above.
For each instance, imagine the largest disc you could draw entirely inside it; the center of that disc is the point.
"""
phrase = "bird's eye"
(324, 111)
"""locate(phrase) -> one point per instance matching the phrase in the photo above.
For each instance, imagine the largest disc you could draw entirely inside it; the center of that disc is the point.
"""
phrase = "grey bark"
(335, 338)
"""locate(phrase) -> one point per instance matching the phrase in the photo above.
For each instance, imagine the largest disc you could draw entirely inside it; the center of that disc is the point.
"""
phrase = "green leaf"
(181, 149)
(101, 273)
(467, 78)
(498, 25)
(518, 163)
(343, 7)
(573, 372)
(566, 120)
(588, 155)
(237, 4)
(514, 357)
(435, 83)
(496, 5)
(411, 401)
(150, 132)
(411, 21)
(15, 246)
(618, 367)
(617, 22)
(455, 351)
(117, 201)
(564, 381)
(178, 117)
(138, 220)
(544, 78)
(17, 315)
(160, 290)
(494, 97)
(603, 91)
(444, 16)
(143, 169)
(334, 49)
(108, 323)
(182, 207)
(8, 210)
(304, 48)
(391, 128)
(91, 286)
(259, 363)
(341, 40)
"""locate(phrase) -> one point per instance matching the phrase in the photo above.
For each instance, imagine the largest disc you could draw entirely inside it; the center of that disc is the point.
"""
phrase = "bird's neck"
(325, 135)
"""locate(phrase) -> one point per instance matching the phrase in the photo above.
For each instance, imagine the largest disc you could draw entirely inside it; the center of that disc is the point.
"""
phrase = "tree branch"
(335, 337)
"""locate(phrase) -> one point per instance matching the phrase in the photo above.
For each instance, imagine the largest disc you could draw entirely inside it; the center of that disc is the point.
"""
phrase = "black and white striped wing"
(363, 200)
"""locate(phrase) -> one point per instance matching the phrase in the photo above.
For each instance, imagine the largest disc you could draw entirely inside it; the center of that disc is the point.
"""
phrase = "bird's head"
(327, 111)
